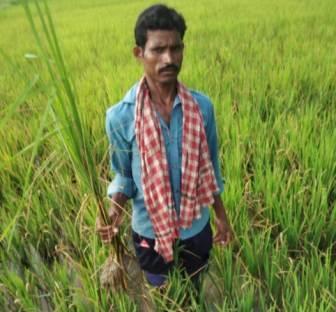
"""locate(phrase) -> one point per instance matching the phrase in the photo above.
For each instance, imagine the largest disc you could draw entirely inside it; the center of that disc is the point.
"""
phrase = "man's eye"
(158, 50)
(177, 48)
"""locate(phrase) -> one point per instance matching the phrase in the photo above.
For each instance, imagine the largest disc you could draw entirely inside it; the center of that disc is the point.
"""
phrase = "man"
(164, 153)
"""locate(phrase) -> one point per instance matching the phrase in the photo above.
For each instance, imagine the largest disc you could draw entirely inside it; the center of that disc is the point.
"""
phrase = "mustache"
(170, 67)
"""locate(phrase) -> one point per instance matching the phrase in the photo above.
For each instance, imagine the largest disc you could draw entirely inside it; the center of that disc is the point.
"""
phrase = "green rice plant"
(11, 109)
(16, 293)
(27, 183)
(121, 302)
(305, 284)
(73, 129)
(224, 270)
(248, 300)
(178, 294)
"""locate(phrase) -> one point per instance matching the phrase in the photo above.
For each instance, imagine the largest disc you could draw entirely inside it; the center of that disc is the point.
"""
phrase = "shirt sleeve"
(120, 158)
(211, 133)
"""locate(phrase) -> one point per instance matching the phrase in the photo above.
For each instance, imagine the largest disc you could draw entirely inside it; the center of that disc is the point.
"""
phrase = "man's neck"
(162, 94)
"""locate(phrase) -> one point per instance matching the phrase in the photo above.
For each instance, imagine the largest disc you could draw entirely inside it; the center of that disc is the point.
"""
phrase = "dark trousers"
(192, 256)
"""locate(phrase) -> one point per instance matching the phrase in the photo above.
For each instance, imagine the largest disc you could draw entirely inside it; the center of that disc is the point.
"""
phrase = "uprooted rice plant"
(270, 69)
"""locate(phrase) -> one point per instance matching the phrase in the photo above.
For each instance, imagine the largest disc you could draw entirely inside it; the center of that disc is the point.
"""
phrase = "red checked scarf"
(198, 179)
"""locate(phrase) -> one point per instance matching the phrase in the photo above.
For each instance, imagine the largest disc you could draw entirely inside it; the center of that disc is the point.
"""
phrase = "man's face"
(162, 55)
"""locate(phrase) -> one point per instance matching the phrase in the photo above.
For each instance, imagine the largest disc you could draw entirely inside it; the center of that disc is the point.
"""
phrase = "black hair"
(158, 17)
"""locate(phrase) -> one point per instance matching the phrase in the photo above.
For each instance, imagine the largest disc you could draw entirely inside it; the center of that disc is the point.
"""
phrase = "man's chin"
(163, 79)
(168, 79)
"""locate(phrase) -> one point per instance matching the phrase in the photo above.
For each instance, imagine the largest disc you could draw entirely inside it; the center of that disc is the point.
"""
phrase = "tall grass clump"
(74, 134)
(73, 128)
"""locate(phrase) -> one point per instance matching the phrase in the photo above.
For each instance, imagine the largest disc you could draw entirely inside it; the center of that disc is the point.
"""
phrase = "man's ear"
(138, 52)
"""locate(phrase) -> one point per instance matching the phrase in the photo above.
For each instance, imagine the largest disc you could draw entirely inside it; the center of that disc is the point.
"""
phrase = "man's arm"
(122, 187)
(224, 233)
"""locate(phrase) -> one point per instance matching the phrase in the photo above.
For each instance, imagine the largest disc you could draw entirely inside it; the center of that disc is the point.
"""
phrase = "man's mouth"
(170, 69)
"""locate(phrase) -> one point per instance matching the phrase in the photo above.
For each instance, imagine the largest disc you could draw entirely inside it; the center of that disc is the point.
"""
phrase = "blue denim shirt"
(125, 159)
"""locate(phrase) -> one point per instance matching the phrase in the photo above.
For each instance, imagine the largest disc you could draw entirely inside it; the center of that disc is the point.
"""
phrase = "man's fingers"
(217, 238)
(107, 238)
(117, 221)
(222, 239)
(111, 230)
(107, 232)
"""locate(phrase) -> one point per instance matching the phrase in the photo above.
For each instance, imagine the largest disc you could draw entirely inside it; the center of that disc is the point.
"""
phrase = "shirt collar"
(130, 96)
(177, 101)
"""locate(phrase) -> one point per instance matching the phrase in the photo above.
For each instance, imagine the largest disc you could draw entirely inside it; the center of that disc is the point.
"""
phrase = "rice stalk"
(73, 128)
(8, 232)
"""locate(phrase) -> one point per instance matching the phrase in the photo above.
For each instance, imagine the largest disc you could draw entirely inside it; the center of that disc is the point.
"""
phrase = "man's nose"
(168, 57)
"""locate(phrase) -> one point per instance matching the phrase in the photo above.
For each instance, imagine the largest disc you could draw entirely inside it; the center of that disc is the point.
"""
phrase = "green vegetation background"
(270, 70)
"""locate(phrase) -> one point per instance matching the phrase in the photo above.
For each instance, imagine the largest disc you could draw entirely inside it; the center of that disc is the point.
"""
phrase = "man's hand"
(115, 217)
(224, 233)
(107, 232)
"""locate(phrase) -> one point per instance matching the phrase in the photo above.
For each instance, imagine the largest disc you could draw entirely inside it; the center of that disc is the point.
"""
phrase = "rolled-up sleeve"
(211, 133)
(120, 157)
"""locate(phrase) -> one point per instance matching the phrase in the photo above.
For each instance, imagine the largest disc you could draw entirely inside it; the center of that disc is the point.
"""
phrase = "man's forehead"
(163, 36)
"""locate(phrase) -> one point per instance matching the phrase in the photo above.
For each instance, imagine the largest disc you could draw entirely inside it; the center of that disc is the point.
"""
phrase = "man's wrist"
(118, 202)
(219, 208)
